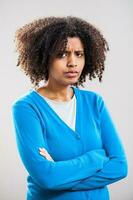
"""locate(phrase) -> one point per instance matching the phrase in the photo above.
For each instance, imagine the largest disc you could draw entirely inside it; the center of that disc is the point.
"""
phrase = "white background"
(115, 19)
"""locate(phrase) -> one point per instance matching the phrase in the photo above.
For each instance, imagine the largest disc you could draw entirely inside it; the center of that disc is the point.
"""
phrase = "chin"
(73, 82)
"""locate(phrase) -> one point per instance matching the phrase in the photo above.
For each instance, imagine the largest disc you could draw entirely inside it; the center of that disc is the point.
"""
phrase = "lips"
(71, 74)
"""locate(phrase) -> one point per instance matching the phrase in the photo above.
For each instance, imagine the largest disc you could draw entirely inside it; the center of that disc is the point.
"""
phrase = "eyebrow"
(81, 51)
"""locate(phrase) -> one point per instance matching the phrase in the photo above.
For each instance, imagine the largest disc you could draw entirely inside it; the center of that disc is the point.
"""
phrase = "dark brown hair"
(38, 41)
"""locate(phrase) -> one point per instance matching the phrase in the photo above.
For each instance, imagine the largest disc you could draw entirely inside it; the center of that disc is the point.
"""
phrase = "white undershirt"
(66, 110)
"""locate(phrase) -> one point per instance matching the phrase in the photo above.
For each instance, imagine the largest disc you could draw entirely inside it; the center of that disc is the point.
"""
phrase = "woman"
(65, 136)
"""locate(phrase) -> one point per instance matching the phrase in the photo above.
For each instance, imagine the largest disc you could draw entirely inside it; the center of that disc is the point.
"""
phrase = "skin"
(45, 154)
(59, 83)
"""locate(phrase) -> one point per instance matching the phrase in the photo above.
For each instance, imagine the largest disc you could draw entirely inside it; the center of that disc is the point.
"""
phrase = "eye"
(79, 54)
(62, 54)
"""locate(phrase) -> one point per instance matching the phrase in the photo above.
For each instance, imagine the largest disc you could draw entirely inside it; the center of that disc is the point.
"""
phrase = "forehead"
(74, 43)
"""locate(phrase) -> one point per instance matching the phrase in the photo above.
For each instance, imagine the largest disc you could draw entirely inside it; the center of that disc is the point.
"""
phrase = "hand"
(45, 154)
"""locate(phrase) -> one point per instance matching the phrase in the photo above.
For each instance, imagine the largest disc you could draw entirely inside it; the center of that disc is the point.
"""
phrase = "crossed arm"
(60, 175)
(116, 166)
(89, 171)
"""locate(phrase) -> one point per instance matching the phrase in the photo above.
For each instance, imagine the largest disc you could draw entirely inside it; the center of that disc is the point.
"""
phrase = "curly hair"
(41, 39)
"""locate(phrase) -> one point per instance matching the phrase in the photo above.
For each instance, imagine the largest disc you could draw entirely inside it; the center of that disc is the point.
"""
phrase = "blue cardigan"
(86, 160)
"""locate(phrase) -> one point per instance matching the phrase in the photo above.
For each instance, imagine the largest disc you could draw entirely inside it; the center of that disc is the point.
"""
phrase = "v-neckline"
(58, 117)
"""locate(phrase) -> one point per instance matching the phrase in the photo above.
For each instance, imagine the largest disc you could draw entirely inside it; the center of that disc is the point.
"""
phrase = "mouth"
(71, 74)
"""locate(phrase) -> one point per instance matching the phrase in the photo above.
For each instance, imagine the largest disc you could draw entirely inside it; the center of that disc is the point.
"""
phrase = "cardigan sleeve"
(49, 175)
(116, 168)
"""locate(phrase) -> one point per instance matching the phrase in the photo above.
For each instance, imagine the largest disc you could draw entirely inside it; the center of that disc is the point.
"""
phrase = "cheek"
(56, 69)
(82, 64)
(82, 61)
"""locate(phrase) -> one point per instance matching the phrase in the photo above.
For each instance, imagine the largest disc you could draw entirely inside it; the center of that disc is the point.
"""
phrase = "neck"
(58, 92)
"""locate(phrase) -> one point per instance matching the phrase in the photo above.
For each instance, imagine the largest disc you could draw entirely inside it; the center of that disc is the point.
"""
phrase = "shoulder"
(89, 95)
(90, 99)
(25, 100)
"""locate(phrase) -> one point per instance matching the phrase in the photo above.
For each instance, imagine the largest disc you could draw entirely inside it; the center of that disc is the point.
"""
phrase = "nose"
(71, 62)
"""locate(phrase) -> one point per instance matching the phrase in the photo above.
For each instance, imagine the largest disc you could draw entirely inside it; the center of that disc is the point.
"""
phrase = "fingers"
(45, 154)
(42, 150)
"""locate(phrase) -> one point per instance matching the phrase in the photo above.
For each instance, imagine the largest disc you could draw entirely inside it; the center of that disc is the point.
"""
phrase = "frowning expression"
(66, 67)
